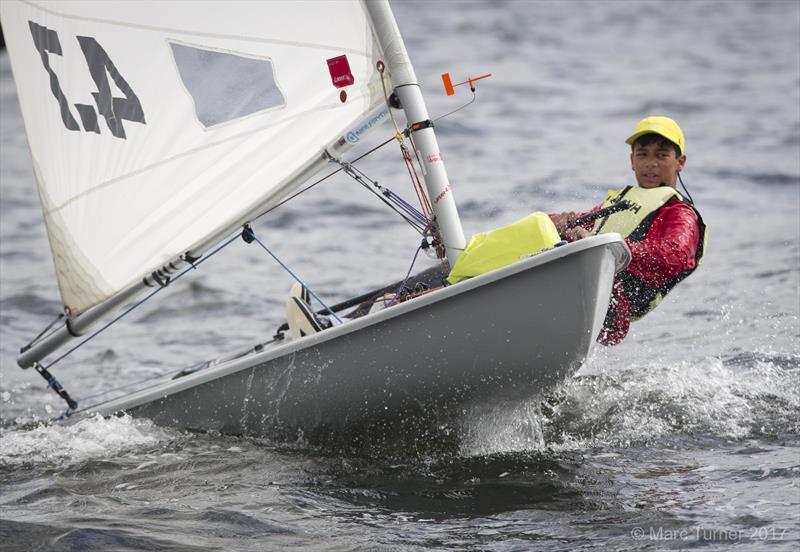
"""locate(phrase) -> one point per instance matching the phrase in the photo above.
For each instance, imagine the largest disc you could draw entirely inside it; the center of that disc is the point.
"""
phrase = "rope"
(403, 284)
(418, 224)
(403, 204)
(67, 413)
(359, 158)
(398, 135)
(38, 337)
(474, 97)
(287, 269)
(418, 188)
(121, 387)
(431, 229)
(399, 201)
(137, 304)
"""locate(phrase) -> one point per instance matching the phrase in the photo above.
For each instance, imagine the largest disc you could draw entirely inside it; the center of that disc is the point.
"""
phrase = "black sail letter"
(113, 109)
(46, 40)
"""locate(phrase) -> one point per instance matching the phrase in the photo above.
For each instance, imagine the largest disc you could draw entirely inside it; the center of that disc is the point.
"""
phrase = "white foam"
(620, 406)
(88, 439)
(613, 405)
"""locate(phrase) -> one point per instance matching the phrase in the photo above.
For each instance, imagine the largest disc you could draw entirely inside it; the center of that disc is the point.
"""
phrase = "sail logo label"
(355, 135)
(341, 75)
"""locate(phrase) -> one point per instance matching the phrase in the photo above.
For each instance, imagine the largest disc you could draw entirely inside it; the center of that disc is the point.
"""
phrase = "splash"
(708, 397)
(735, 398)
(487, 429)
(88, 439)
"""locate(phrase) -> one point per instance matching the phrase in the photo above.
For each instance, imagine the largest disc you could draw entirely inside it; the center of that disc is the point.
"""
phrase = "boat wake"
(89, 439)
(740, 397)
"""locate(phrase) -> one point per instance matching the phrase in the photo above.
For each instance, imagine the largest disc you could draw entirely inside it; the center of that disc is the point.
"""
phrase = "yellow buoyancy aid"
(488, 251)
(633, 224)
(644, 202)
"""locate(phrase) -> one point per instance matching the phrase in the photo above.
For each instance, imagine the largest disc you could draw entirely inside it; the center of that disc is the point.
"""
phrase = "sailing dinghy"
(160, 129)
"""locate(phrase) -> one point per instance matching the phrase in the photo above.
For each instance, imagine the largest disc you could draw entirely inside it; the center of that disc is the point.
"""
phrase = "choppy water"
(686, 435)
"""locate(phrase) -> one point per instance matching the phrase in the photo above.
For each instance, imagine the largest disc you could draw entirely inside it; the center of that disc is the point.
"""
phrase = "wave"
(89, 439)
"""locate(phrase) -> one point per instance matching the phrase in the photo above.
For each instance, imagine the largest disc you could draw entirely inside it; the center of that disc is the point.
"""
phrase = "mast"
(408, 90)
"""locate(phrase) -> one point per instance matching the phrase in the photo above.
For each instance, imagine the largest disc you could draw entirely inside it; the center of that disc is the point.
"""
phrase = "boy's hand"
(575, 234)
(563, 221)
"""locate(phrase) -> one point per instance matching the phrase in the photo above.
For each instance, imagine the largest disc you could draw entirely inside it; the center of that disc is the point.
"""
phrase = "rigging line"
(406, 206)
(402, 203)
(140, 302)
(373, 150)
(121, 387)
(359, 158)
(136, 384)
(417, 226)
(474, 97)
(348, 169)
(422, 197)
(69, 412)
(398, 134)
(38, 337)
(287, 269)
(432, 228)
(421, 218)
(403, 283)
(416, 154)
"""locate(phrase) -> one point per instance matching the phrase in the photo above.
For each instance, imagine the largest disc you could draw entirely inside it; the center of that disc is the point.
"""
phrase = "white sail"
(158, 127)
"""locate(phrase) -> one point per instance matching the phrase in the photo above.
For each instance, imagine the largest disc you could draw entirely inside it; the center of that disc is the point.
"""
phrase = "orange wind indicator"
(449, 87)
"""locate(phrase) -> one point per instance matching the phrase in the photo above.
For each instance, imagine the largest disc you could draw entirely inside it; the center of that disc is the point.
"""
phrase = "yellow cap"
(663, 126)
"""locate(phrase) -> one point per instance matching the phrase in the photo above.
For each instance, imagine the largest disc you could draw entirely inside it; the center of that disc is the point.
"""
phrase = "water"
(685, 436)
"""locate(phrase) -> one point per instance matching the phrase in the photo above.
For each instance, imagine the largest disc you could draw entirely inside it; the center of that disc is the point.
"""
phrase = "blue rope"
(403, 284)
(407, 207)
(287, 269)
(414, 217)
(138, 303)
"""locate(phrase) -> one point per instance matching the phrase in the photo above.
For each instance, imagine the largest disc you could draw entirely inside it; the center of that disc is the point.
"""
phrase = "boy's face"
(655, 164)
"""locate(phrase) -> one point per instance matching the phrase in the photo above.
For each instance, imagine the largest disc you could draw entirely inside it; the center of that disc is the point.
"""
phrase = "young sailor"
(664, 231)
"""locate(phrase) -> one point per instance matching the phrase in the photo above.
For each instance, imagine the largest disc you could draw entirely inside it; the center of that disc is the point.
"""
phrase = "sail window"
(226, 86)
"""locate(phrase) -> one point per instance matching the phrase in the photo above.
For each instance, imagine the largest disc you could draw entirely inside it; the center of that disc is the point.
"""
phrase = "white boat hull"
(509, 335)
